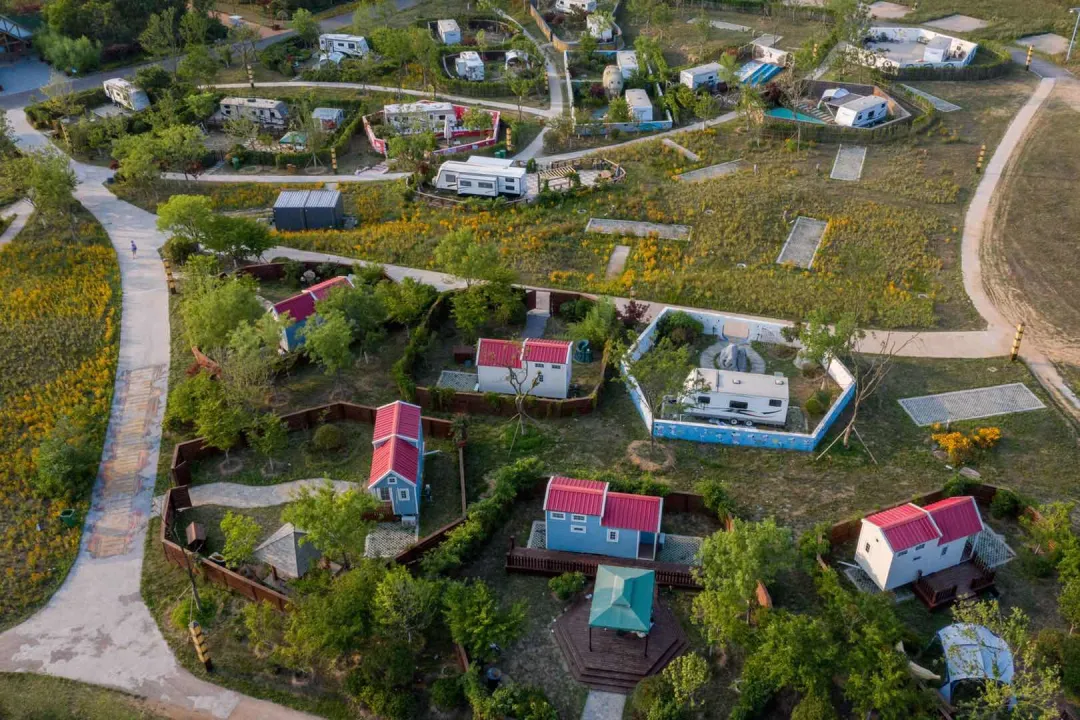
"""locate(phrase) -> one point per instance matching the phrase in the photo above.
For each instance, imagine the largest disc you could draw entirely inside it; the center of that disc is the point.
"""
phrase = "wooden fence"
(186, 453)
(553, 562)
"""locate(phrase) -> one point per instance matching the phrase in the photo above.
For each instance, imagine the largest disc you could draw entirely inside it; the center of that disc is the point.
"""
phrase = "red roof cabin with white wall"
(895, 545)
(547, 362)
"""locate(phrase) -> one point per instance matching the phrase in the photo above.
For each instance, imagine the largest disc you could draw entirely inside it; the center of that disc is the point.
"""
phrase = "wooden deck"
(955, 583)
(554, 562)
(617, 662)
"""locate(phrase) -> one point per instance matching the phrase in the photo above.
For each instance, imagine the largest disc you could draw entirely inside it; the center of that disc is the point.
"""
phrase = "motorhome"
(351, 45)
(488, 177)
(422, 116)
(640, 105)
(707, 75)
(267, 112)
(126, 94)
(470, 66)
(862, 111)
(737, 398)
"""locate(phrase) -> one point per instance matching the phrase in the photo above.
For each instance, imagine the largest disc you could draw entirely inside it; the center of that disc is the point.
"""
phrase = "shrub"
(814, 706)
(185, 611)
(292, 271)
(186, 397)
(447, 693)
(177, 250)
(680, 327)
(813, 405)
(958, 485)
(66, 458)
(383, 679)
(985, 438)
(567, 585)
(1006, 504)
(956, 445)
(328, 437)
(575, 310)
(715, 495)
(1035, 566)
(1070, 664)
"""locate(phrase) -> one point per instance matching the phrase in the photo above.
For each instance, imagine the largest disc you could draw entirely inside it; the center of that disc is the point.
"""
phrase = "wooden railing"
(552, 562)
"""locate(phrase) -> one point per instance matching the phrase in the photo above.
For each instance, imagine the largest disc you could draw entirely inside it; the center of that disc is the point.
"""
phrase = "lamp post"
(1068, 53)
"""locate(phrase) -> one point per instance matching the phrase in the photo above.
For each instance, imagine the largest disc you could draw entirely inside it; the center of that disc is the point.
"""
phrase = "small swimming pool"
(785, 114)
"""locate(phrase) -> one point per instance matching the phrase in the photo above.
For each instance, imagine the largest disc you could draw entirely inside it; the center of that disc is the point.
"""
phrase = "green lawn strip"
(28, 696)
(209, 516)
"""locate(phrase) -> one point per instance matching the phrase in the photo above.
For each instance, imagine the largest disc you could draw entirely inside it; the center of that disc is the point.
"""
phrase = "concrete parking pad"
(957, 23)
(768, 40)
(882, 10)
(713, 171)
(849, 163)
(802, 244)
(942, 105)
(606, 226)
(971, 404)
(600, 705)
(1049, 43)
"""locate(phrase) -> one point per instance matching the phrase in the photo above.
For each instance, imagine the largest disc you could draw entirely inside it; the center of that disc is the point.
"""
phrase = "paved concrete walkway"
(96, 627)
(603, 706)
(22, 210)
(254, 496)
(291, 179)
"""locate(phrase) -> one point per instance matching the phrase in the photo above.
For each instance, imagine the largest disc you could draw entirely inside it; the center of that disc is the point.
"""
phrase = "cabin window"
(352, 46)
(391, 481)
(737, 405)
(556, 367)
(703, 400)
(944, 551)
(775, 403)
(557, 516)
(613, 536)
(579, 529)
(539, 377)
(917, 558)
(539, 364)
(920, 547)
(578, 518)
(867, 548)
(403, 494)
(902, 553)
(383, 494)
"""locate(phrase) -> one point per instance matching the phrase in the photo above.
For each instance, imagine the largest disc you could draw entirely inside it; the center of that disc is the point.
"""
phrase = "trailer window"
(703, 399)
(465, 183)
(737, 405)
(451, 178)
(775, 403)
(486, 185)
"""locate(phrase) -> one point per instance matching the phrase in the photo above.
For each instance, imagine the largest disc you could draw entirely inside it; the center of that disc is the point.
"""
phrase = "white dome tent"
(973, 653)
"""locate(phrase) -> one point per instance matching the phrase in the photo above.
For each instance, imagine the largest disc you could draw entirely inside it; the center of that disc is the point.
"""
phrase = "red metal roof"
(320, 290)
(398, 418)
(570, 495)
(905, 526)
(547, 351)
(498, 353)
(632, 512)
(300, 307)
(956, 517)
(396, 455)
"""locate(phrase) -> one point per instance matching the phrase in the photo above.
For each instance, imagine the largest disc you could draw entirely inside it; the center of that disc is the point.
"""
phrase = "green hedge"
(484, 517)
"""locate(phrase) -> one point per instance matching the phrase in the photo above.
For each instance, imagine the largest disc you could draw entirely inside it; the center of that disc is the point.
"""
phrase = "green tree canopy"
(335, 522)
(210, 316)
(241, 536)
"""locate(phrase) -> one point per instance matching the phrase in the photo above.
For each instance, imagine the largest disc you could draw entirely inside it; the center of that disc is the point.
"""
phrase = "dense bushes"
(328, 437)
(680, 327)
(567, 585)
(484, 516)
(44, 114)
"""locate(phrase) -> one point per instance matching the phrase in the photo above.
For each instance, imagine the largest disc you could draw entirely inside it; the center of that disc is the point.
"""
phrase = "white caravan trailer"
(449, 31)
(126, 94)
(422, 116)
(351, 45)
(267, 112)
(627, 62)
(483, 176)
(862, 111)
(737, 398)
(640, 105)
(706, 75)
(470, 66)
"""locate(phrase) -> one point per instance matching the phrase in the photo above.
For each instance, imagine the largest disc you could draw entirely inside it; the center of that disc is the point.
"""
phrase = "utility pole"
(1068, 53)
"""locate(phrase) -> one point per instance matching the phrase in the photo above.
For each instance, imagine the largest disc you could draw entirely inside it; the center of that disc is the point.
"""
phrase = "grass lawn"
(210, 516)
(27, 696)
(1035, 233)
(60, 299)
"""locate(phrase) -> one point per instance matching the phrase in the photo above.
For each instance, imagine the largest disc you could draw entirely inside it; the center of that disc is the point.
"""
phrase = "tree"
(469, 310)
(1052, 532)
(247, 365)
(66, 460)
(405, 605)
(751, 108)
(189, 217)
(703, 27)
(410, 150)
(326, 341)
(211, 315)
(688, 674)
(476, 119)
(198, 66)
(46, 178)
(599, 324)
(334, 522)
(181, 147)
(220, 424)
(244, 131)
(201, 105)
(618, 111)
(520, 86)
(364, 311)
(651, 11)
(305, 26)
(243, 38)
(659, 374)
(269, 436)
(193, 28)
(238, 237)
(160, 38)
(705, 106)
(476, 621)
(732, 564)
(462, 255)
(869, 373)
(821, 340)
(406, 301)
(241, 536)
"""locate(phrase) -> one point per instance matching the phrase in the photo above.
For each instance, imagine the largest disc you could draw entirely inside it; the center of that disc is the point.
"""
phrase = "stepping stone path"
(617, 261)
(888, 11)
(691, 156)
(942, 105)
(802, 244)
(849, 163)
(606, 226)
(957, 23)
(1049, 43)
(712, 171)
(971, 404)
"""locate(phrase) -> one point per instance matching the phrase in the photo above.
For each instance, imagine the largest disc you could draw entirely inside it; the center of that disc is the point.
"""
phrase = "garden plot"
(606, 226)
(957, 23)
(938, 103)
(1049, 43)
(713, 171)
(802, 243)
(971, 404)
(849, 163)
(888, 11)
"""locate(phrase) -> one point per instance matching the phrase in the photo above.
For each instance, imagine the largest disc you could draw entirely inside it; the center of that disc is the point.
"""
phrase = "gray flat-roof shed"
(289, 210)
(324, 209)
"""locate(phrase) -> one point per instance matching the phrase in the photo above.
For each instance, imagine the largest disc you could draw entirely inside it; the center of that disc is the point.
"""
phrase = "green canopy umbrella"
(622, 600)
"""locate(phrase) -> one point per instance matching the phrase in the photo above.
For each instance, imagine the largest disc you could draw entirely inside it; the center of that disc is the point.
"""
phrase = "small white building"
(418, 117)
(265, 111)
(126, 94)
(627, 62)
(350, 45)
(543, 367)
(569, 6)
(737, 398)
(898, 545)
(329, 118)
(891, 48)
(470, 65)
(600, 28)
(707, 75)
(484, 176)
(769, 54)
(862, 111)
(640, 105)
(449, 32)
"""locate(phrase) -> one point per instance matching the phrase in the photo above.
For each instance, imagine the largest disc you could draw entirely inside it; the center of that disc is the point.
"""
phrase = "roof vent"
(736, 381)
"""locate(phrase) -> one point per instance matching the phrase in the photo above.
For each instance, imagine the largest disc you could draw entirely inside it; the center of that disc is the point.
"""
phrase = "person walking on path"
(134, 249)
